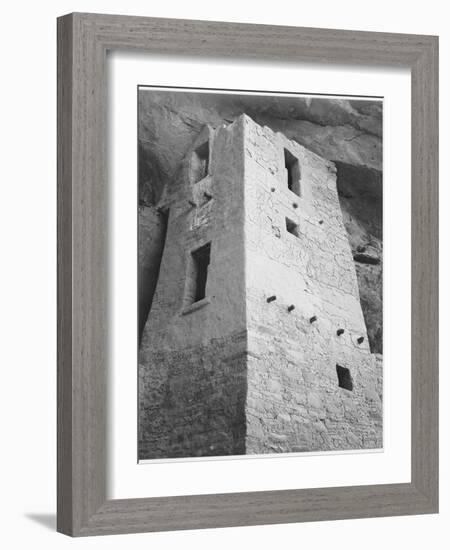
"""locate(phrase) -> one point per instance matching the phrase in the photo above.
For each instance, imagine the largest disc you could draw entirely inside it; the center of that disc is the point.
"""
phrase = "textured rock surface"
(152, 231)
(360, 196)
(346, 131)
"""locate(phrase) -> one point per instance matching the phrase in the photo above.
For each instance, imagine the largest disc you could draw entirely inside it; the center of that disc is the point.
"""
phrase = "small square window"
(292, 228)
(344, 378)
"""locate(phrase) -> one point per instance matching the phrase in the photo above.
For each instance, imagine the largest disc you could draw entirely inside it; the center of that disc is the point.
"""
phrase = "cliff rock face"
(347, 132)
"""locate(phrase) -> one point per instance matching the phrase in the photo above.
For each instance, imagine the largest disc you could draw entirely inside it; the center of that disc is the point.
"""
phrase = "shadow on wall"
(46, 520)
(152, 238)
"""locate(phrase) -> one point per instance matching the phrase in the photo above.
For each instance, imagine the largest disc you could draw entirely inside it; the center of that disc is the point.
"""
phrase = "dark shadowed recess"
(360, 192)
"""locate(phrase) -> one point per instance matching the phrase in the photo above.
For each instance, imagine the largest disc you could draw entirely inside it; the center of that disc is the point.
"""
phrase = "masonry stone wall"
(193, 400)
(294, 401)
(189, 351)
(251, 367)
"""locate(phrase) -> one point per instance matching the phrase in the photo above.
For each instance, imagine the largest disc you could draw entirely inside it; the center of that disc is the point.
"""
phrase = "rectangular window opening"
(292, 167)
(200, 162)
(344, 378)
(198, 274)
(292, 228)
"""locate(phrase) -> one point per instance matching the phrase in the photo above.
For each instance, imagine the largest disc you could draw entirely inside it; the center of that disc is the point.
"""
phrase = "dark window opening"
(200, 162)
(292, 167)
(292, 228)
(344, 378)
(198, 275)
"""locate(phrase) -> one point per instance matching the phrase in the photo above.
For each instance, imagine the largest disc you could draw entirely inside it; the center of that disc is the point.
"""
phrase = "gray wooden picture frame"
(83, 41)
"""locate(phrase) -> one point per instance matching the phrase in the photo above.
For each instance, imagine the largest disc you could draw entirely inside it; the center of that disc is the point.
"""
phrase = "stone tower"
(256, 341)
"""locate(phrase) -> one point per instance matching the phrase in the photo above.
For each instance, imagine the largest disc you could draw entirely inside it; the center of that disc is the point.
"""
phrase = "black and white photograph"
(220, 291)
(260, 273)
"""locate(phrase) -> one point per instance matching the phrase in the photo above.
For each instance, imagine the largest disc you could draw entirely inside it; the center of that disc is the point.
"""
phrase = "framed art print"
(260, 325)
(247, 274)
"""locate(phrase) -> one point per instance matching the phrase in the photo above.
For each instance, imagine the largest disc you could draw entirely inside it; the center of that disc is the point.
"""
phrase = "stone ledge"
(196, 305)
